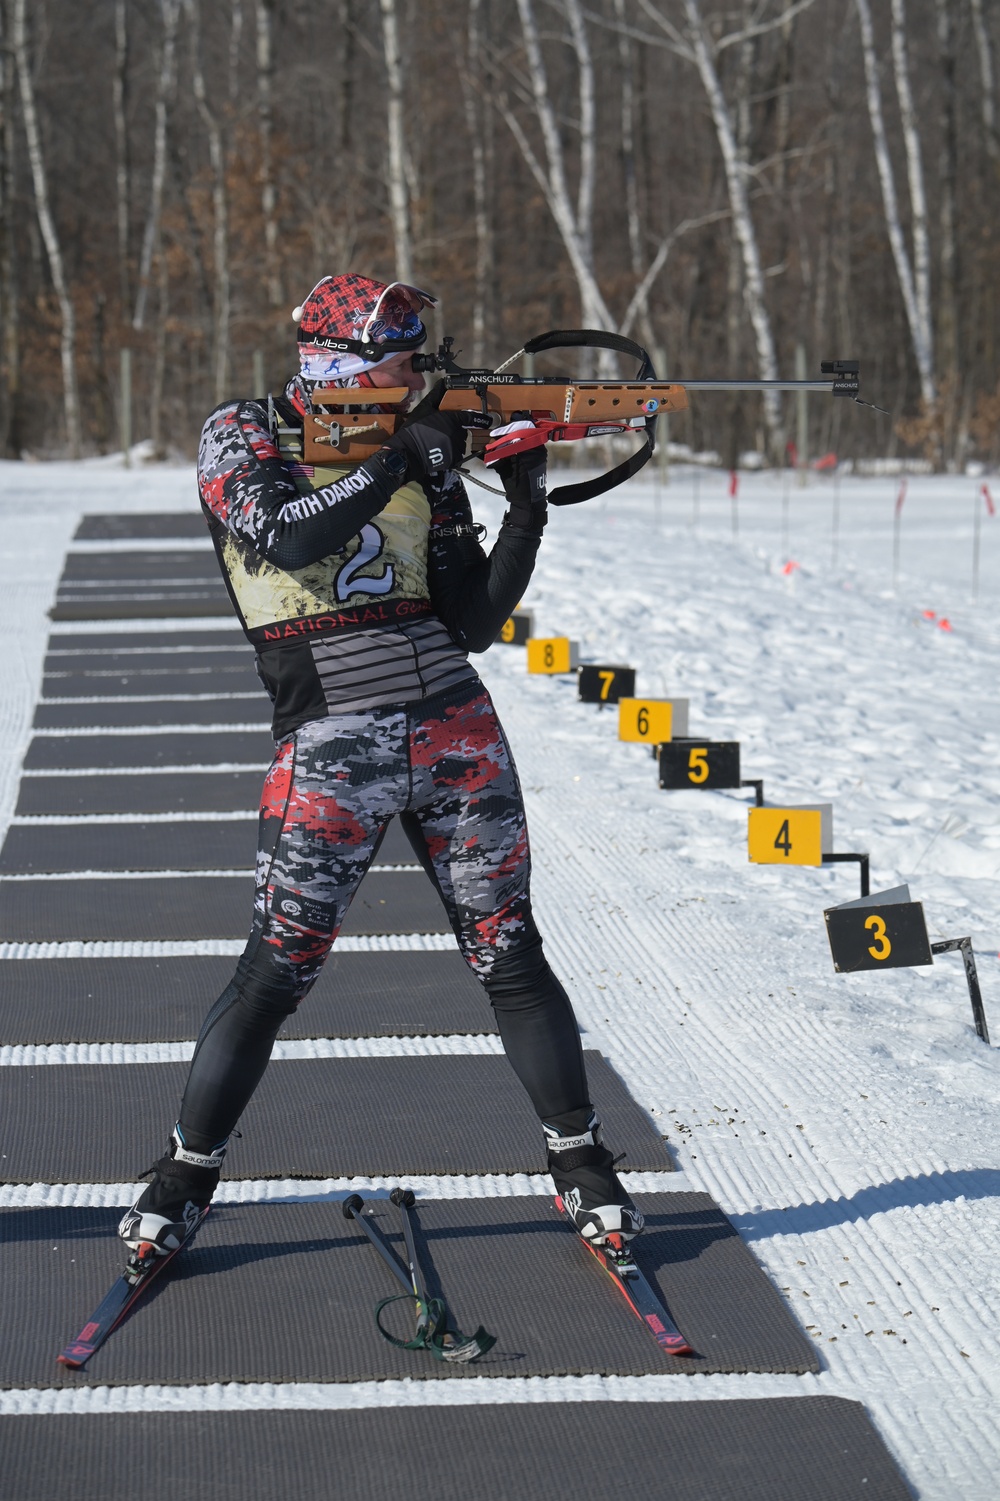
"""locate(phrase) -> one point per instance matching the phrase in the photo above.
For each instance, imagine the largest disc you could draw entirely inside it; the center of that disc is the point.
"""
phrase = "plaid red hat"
(349, 323)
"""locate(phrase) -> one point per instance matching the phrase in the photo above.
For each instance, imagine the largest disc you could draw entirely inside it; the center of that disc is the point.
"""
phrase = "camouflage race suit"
(418, 744)
(445, 766)
(330, 791)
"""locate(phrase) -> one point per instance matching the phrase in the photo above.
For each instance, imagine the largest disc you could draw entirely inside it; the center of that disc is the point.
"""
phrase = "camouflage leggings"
(334, 786)
(444, 765)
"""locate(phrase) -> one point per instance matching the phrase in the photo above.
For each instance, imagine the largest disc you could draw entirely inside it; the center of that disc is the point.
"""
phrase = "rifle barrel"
(754, 385)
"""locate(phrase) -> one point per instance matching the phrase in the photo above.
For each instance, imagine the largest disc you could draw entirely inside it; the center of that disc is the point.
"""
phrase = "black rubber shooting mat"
(379, 994)
(133, 684)
(772, 1449)
(229, 844)
(310, 1118)
(163, 563)
(173, 748)
(118, 641)
(312, 1281)
(180, 907)
(254, 708)
(110, 524)
(226, 845)
(167, 792)
(149, 663)
(158, 606)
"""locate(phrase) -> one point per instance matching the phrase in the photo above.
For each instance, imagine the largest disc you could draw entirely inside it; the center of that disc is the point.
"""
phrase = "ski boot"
(174, 1203)
(588, 1188)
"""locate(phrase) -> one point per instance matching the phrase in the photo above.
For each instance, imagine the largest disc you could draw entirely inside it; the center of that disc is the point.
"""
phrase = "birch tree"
(50, 238)
(918, 196)
(948, 348)
(477, 122)
(9, 301)
(220, 213)
(639, 307)
(265, 130)
(170, 14)
(399, 197)
(987, 85)
(920, 336)
(703, 52)
(574, 222)
(119, 98)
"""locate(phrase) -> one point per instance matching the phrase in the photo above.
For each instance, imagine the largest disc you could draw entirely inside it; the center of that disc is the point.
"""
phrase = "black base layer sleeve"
(474, 594)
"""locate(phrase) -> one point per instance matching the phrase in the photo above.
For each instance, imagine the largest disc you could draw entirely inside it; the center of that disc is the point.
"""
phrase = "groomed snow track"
(695, 989)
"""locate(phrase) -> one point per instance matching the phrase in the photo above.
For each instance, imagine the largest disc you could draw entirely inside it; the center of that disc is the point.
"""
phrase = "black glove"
(523, 479)
(432, 442)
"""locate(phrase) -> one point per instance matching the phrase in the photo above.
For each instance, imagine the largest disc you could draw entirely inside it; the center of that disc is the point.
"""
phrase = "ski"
(127, 1289)
(617, 1261)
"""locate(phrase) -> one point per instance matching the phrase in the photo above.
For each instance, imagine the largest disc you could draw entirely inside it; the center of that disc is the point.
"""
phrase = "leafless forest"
(746, 186)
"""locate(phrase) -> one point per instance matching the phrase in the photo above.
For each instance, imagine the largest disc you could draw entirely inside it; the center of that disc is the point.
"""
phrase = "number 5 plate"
(699, 763)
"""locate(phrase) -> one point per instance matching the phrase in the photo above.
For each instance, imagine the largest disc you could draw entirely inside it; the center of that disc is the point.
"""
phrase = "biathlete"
(363, 588)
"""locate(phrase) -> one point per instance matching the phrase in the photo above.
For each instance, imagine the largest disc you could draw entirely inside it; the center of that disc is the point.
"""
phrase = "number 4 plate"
(699, 763)
(882, 931)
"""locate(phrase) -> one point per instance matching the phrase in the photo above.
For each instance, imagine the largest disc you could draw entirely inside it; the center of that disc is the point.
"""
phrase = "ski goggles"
(392, 327)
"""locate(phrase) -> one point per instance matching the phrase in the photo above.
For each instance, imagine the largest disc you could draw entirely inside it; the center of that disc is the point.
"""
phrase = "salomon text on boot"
(590, 1191)
(176, 1199)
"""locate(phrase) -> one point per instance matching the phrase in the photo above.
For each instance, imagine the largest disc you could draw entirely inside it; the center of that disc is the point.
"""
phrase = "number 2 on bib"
(372, 543)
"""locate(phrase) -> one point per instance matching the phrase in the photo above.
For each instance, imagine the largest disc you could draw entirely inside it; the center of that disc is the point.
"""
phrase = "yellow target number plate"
(785, 836)
(551, 654)
(650, 720)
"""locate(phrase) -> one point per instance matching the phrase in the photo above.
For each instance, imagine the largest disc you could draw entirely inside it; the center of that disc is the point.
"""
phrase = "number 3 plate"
(870, 934)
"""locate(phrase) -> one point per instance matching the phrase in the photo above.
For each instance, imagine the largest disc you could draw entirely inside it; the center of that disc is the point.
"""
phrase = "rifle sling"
(595, 338)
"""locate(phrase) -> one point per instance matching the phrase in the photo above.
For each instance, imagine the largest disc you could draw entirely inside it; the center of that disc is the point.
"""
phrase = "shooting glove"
(523, 479)
(431, 441)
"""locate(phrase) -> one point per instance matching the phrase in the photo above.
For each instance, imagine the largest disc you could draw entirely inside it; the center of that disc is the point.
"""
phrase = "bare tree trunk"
(10, 344)
(987, 87)
(220, 215)
(948, 334)
(119, 99)
(345, 29)
(46, 223)
(268, 194)
(632, 215)
(160, 355)
(915, 177)
(588, 141)
(235, 38)
(475, 118)
(170, 10)
(736, 182)
(399, 198)
(904, 272)
(552, 178)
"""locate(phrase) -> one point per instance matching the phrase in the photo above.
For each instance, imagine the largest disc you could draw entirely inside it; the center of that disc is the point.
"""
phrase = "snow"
(845, 1123)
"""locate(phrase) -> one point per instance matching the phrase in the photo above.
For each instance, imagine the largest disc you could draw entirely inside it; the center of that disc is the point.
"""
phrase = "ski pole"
(446, 1343)
(404, 1200)
(353, 1210)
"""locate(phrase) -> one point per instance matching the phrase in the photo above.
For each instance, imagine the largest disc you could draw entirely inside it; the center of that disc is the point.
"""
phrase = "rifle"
(555, 409)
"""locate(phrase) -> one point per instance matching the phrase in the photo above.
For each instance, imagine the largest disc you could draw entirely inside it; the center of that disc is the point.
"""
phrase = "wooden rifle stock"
(343, 432)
